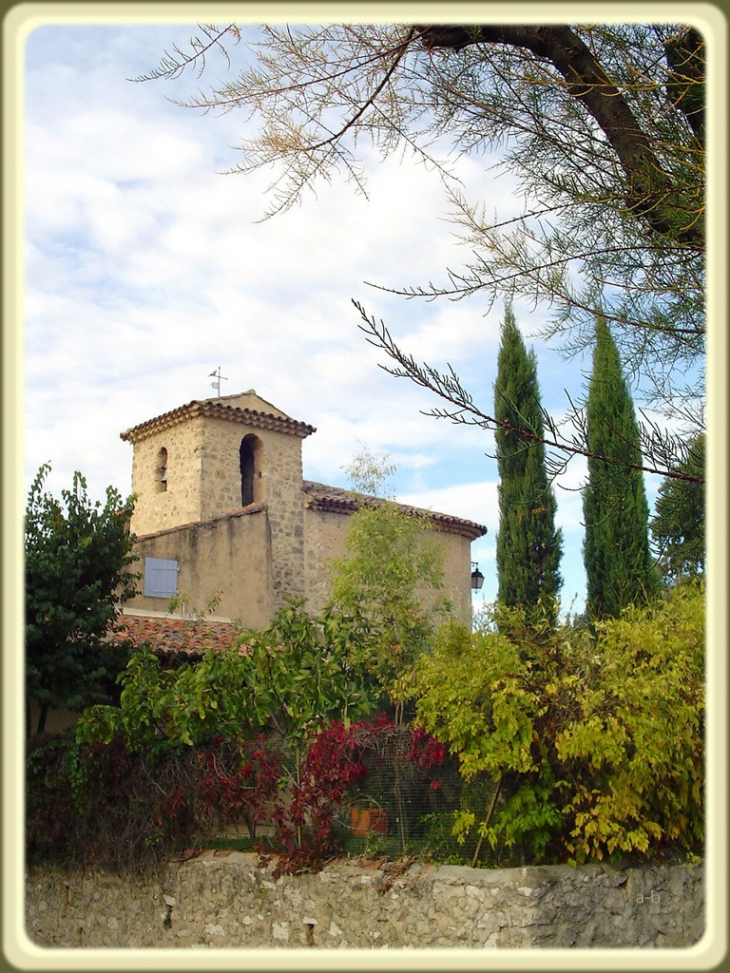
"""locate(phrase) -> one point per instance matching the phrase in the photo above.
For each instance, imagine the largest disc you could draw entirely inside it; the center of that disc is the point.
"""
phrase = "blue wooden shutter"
(160, 577)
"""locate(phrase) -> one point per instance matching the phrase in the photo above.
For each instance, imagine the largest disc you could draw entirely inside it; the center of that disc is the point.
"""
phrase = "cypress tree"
(678, 526)
(528, 545)
(616, 514)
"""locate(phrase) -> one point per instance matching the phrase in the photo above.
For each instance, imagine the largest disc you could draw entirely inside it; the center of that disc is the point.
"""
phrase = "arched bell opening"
(251, 456)
(161, 470)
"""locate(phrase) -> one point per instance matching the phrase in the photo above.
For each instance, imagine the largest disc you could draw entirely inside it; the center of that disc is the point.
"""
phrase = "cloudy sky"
(146, 269)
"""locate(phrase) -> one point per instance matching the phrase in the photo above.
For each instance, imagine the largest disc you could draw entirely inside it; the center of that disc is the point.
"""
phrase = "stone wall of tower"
(285, 505)
(180, 501)
(203, 483)
(277, 484)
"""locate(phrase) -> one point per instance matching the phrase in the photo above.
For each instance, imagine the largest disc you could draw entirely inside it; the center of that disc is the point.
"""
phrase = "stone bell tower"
(206, 460)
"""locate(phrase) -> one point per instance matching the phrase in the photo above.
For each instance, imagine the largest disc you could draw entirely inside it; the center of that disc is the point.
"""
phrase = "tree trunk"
(649, 190)
(42, 716)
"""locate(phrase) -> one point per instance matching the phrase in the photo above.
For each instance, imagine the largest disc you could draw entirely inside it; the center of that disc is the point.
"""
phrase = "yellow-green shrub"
(598, 738)
(638, 735)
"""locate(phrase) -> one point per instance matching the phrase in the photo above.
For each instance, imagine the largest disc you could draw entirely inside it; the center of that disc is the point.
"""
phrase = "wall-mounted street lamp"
(477, 578)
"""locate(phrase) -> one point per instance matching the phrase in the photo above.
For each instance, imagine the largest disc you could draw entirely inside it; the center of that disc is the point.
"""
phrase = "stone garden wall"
(225, 900)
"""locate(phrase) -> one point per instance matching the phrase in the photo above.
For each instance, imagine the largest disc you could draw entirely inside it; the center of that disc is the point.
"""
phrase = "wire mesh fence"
(381, 789)
(403, 789)
(409, 780)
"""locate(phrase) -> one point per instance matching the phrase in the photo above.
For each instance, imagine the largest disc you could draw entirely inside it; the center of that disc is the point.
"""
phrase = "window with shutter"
(160, 577)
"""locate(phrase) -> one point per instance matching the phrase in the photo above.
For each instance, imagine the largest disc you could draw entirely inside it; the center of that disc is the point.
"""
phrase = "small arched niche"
(251, 456)
(161, 470)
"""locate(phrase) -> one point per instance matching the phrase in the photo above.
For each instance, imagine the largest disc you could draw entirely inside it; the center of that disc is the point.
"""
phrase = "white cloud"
(146, 270)
(568, 487)
(471, 501)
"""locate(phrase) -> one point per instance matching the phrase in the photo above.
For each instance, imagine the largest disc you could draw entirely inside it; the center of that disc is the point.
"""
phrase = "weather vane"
(219, 378)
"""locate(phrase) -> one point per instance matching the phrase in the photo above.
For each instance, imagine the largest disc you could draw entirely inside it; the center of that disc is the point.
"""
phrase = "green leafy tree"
(300, 673)
(528, 544)
(290, 679)
(678, 527)
(603, 125)
(390, 580)
(78, 556)
(616, 549)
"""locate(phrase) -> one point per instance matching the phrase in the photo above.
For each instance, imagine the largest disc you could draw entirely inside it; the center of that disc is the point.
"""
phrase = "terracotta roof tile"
(337, 500)
(173, 637)
(213, 408)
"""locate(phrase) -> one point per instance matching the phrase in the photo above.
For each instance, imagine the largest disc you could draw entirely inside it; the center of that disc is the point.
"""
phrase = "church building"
(224, 517)
(226, 525)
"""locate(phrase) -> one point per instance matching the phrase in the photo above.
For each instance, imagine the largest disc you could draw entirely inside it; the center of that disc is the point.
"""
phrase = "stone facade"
(227, 901)
(157, 506)
(220, 493)
(326, 532)
(211, 555)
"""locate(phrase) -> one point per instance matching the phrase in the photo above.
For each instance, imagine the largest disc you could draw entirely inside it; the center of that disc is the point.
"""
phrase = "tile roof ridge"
(339, 498)
(175, 637)
(251, 508)
(211, 407)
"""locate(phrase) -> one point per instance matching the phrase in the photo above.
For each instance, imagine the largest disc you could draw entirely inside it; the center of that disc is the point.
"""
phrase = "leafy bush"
(242, 791)
(572, 744)
(291, 679)
(105, 806)
(594, 740)
(286, 712)
(638, 738)
(101, 805)
(120, 809)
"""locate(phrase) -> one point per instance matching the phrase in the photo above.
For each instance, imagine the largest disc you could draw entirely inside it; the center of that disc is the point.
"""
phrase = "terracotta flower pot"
(365, 821)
